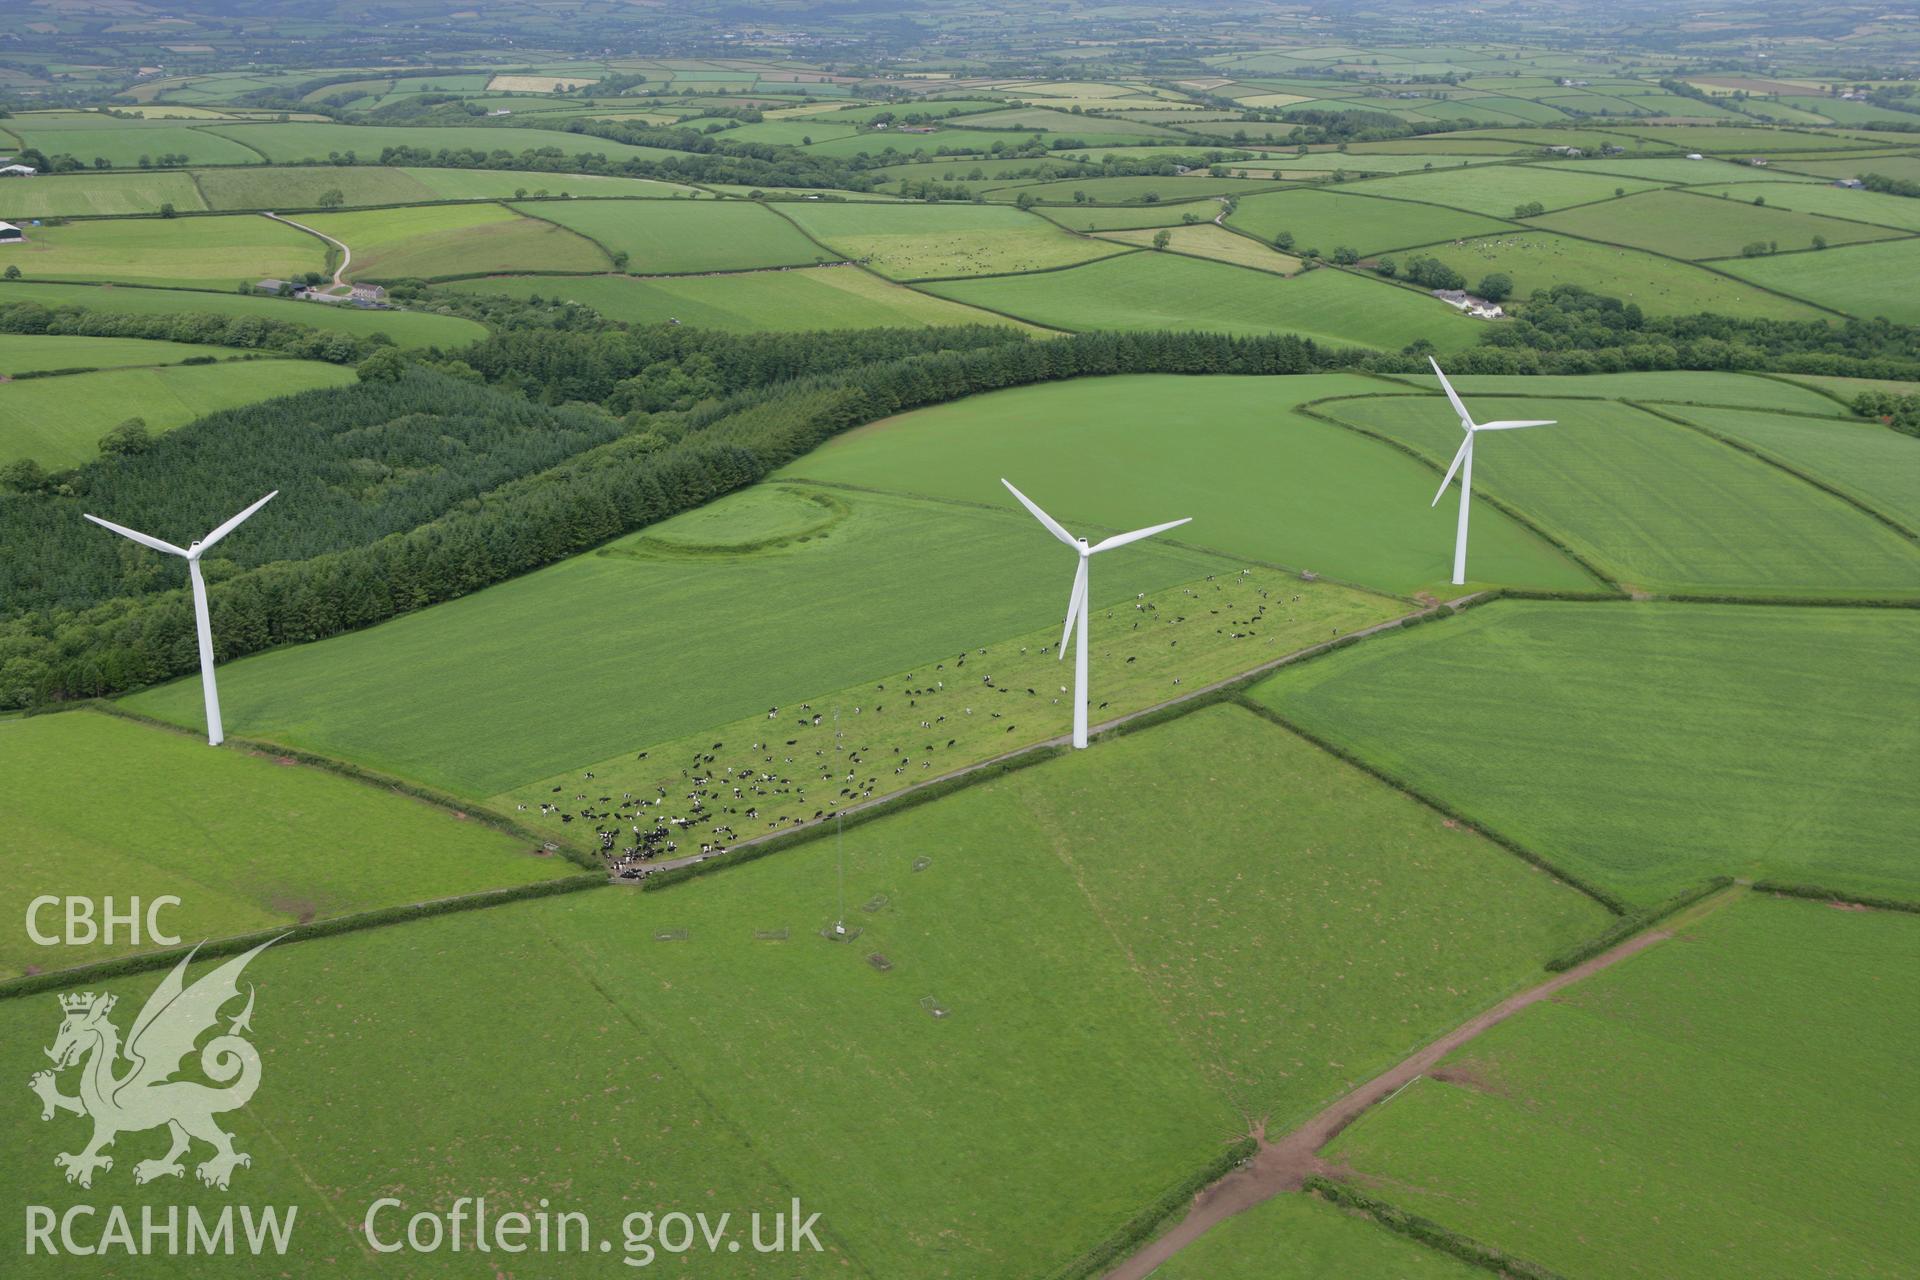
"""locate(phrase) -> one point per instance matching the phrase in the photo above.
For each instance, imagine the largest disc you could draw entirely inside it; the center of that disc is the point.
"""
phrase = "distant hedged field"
(638, 427)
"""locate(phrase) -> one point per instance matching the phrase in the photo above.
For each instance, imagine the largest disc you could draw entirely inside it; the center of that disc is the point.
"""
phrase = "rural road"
(1064, 739)
(1283, 1165)
(346, 254)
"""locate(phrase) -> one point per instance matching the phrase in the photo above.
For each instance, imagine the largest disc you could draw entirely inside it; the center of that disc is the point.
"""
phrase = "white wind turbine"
(1463, 463)
(1077, 603)
(192, 554)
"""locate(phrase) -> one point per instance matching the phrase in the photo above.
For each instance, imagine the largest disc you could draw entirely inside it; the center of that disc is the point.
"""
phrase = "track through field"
(1283, 1164)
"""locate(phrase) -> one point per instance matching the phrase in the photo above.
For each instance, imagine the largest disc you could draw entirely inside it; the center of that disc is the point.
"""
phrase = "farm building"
(17, 171)
(1477, 307)
(10, 232)
(1851, 184)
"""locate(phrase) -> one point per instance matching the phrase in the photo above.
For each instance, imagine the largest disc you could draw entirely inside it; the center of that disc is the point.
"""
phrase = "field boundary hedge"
(454, 806)
(1781, 464)
(33, 984)
(1617, 906)
(1427, 1232)
(1143, 1225)
(1224, 690)
(1312, 410)
(1819, 893)
(1628, 925)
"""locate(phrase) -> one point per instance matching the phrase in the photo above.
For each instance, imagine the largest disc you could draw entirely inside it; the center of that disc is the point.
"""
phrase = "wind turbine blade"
(1447, 387)
(1053, 526)
(1508, 426)
(138, 537)
(1122, 539)
(1075, 603)
(234, 523)
(1458, 458)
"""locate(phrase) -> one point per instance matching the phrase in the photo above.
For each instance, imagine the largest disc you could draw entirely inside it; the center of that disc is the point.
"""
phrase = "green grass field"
(406, 328)
(445, 240)
(305, 188)
(1325, 220)
(1301, 1237)
(1261, 481)
(295, 143)
(1659, 507)
(747, 302)
(1871, 463)
(58, 422)
(1141, 190)
(244, 841)
(683, 237)
(70, 195)
(827, 613)
(1668, 387)
(1647, 746)
(122, 143)
(1214, 243)
(1675, 223)
(914, 242)
(1130, 217)
(1147, 291)
(1730, 1103)
(1497, 190)
(1110, 993)
(36, 353)
(1658, 286)
(1832, 202)
(968, 708)
(1865, 280)
(191, 253)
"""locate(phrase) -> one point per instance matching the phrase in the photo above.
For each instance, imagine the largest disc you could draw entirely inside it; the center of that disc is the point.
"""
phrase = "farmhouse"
(10, 232)
(1477, 307)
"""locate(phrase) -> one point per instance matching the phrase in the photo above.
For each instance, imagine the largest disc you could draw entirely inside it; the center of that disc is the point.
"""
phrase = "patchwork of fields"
(1336, 807)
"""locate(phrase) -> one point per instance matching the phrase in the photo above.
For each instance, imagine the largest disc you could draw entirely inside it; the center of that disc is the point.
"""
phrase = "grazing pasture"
(121, 142)
(95, 194)
(40, 353)
(191, 253)
(679, 237)
(1217, 243)
(915, 242)
(1658, 286)
(1766, 1028)
(1302, 1237)
(747, 301)
(445, 240)
(1658, 507)
(1497, 190)
(362, 1013)
(1118, 988)
(1136, 190)
(1675, 223)
(826, 613)
(1866, 280)
(245, 842)
(406, 328)
(1262, 482)
(1129, 217)
(1646, 746)
(1669, 387)
(307, 188)
(297, 143)
(970, 707)
(58, 422)
(1870, 463)
(1833, 203)
(1158, 291)
(1326, 220)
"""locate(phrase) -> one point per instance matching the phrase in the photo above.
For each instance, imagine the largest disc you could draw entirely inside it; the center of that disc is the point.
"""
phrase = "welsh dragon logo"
(145, 1095)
